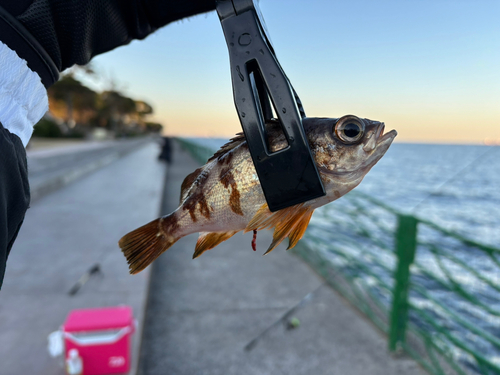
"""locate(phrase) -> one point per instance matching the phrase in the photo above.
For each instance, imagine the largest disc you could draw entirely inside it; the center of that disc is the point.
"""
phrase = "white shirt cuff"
(23, 98)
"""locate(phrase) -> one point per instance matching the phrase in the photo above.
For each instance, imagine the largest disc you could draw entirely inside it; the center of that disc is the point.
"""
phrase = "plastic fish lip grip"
(288, 176)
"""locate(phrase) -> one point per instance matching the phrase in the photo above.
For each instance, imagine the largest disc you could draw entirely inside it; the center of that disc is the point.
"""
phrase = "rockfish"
(224, 196)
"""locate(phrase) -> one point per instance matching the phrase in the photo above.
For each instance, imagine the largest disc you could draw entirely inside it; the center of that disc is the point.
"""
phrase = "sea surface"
(454, 186)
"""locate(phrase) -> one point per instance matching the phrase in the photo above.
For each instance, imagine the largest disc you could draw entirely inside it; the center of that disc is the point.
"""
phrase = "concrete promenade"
(202, 313)
(64, 235)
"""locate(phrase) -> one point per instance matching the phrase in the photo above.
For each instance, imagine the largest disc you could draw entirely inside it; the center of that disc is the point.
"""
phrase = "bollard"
(406, 241)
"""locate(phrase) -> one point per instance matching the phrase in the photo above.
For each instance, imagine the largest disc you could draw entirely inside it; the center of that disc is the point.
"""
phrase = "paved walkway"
(65, 233)
(202, 313)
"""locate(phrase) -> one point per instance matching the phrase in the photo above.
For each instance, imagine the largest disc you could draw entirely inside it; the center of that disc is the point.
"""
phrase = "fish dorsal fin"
(234, 142)
(188, 182)
(273, 128)
(289, 222)
(191, 178)
(208, 240)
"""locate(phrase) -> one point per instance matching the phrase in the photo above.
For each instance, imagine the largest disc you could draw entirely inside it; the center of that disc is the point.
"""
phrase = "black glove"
(52, 35)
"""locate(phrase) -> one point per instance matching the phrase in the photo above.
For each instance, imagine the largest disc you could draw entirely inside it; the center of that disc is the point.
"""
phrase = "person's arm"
(39, 39)
(14, 192)
(52, 35)
(23, 101)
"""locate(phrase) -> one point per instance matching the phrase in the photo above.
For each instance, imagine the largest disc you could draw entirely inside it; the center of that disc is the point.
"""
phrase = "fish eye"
(349, 129)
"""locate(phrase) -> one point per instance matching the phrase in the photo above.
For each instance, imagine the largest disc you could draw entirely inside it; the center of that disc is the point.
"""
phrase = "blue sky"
(429, 69)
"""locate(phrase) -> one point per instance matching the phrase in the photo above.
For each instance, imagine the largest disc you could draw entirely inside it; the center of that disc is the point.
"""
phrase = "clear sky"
(428, 68)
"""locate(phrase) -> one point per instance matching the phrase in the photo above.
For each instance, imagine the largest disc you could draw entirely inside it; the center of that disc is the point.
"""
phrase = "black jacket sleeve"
(52, 35)
(14, 192)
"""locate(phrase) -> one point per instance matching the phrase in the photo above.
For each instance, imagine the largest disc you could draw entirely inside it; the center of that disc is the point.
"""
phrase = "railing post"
(406, 241)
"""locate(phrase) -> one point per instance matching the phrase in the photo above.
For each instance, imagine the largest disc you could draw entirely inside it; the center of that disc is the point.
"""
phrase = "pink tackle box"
(102, 337)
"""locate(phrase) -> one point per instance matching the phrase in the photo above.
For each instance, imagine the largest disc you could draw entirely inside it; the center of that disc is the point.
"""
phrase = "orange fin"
(265, 219)
(143, 245)
(299, 229)
(208, 240)
(288, 227)
(290, 221)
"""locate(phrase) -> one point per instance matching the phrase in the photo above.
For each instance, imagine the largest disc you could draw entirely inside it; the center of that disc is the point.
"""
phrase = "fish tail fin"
(143, 245)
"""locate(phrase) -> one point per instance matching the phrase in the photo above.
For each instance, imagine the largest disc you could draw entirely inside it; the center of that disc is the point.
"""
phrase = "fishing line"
(453, 177)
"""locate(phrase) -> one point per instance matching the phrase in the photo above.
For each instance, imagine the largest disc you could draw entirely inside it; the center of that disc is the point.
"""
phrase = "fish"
(224, 196)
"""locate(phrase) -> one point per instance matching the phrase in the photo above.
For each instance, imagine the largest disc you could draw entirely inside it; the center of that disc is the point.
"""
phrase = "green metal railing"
(200, 153)
(435, 293)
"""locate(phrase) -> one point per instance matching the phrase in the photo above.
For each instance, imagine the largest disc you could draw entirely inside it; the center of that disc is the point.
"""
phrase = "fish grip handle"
(288, 176)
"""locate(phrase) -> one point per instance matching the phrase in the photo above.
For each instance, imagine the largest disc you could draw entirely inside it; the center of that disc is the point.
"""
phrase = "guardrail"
(200, 153)
(435, 293)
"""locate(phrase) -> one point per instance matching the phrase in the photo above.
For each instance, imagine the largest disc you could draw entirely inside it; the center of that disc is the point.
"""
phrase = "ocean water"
(455, 186)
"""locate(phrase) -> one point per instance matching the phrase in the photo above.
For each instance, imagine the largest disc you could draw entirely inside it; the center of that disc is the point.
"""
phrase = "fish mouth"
(381, 137)
(378, 146)
(377, 138)
(375, 147)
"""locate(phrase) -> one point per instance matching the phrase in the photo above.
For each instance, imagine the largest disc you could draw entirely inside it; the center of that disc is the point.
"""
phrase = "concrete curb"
(141, 317)
(68, 176)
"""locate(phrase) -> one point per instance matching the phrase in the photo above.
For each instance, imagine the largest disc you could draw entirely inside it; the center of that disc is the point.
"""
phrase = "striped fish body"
(224, 196)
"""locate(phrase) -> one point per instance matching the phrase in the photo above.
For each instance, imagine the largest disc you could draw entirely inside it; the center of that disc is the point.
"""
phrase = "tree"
(76, 97)
(75, 104)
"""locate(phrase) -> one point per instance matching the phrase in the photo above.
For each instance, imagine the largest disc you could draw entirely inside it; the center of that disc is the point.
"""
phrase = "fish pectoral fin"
(265, 219)
(261, 219)
(208, 240)
(299, 229)
(291, 221)
(294, 225)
